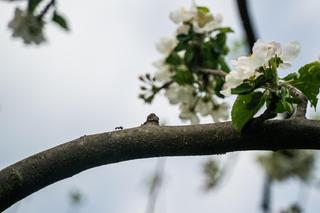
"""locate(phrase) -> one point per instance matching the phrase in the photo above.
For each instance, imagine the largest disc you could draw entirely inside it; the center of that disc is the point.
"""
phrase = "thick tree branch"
(251, 36)
(31, 174)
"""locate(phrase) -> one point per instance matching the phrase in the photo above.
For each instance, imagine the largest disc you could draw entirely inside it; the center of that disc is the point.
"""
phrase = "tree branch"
(246, 22)
(302, 106)
(31, 174)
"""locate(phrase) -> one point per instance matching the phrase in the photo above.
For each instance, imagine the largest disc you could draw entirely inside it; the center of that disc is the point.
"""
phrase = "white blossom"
(263, 51)
(204, 107)
(186, 113)
(201, 22)
(27, 26)
(290, 51)
(183, 30)
(163, 73)
(166, 45)
(214, 23)
(221, 113)
(183, 15)
(176, 94)
(246, 67)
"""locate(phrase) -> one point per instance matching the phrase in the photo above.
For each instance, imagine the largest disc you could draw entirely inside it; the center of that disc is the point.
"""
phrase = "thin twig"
(302, 105)
(46, 9)
(266, 196)
(156, 185)
(213, 72)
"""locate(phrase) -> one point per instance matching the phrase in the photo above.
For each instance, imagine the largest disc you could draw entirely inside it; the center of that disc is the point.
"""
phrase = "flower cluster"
(193, 73)
(286, 164)
(200, 18)
(27, 26)
(250, 67)
(191, 104)
(199, 44)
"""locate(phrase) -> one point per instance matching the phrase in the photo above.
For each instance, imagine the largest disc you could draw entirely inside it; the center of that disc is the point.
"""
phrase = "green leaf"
(174, 59)
(60, 20)
(244, 88)
(223, 65)
(255, 100)
(220, 44)
(181, 46)
(184, 38)
(260, 81)
(32, 5)
(183, 77)
(308, 81)
(284, 106)
(219, 85)
(291, 76)
(183, 42)
(270, 74)
(244, 108)
(203, 10)
(224, 30)
(189, 56)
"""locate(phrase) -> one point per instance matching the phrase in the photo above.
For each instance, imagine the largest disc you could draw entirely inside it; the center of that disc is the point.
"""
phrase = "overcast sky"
(85, 82)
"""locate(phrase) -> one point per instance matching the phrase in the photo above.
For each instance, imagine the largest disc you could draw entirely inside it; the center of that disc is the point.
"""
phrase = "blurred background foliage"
(279, 167)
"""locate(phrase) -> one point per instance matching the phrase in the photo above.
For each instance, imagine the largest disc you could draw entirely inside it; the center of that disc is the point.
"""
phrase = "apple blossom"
(27, 26)
(187, 113)
(246, 67)
(166, 45)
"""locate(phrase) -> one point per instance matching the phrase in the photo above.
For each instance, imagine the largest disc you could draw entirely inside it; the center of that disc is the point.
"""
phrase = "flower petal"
(290, 51)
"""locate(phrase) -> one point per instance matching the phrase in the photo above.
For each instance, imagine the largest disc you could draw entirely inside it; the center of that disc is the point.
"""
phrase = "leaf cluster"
(193, 52)
(273, 92)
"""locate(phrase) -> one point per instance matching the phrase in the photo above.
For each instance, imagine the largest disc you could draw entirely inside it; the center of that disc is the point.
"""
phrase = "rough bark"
(31, 174)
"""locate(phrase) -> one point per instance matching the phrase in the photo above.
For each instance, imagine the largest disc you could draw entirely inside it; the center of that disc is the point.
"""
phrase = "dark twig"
(266, 196)
(156, 184)
(46, 9)
(246, 22)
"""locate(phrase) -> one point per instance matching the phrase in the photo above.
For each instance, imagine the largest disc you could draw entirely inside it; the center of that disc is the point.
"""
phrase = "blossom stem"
(46, 9)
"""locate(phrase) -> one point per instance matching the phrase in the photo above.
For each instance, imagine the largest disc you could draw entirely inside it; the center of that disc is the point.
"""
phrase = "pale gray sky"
(86, 82)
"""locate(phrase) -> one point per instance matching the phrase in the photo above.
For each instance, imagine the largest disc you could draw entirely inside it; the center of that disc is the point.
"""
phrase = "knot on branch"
(258, 121)
(152, 119)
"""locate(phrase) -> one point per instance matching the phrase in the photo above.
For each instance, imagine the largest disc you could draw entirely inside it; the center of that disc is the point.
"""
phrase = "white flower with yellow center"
(212, 23)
